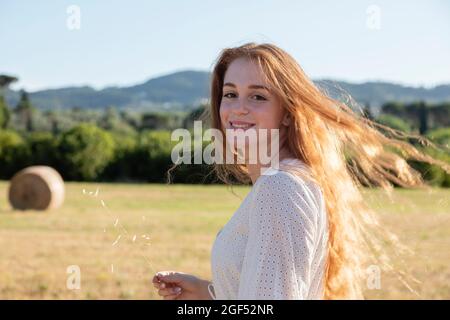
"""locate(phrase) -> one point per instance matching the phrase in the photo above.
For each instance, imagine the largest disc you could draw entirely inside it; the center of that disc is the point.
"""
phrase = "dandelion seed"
(84, 191)
(112, 268)
(116, 222)
(96, 192)
(104, 230)
(103, 203)
(144, 236)
(117, 240)
(134, 238)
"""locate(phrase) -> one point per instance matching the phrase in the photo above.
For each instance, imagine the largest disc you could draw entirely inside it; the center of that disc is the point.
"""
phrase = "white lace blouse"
(274, 245)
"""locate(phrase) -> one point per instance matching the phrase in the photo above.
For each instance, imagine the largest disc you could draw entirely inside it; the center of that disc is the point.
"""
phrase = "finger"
(164, 273)
(172, 277)
(161, 285)
(155, 279)
(169, 291)
(157, 283)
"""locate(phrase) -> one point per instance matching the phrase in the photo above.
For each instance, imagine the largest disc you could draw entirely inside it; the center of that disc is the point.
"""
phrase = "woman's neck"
(254, 170)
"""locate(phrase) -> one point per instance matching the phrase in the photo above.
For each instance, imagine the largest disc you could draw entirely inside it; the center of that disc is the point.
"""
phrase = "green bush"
(440, 136)
(13, 153)
(394, 122)
(43, 148)
(84, 152)
(5, 113)
(194, 173)
(433, 174)
(151, 157)
(121, 166)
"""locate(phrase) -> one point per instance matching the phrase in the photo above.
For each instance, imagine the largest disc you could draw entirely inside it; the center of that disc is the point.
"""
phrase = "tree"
(85, 151)
(25, 111)
(154, 121)
(194, 115)
(53, 118)
(5, 114)
(440, 114)
(423, 118)
(110, 119)
(395, 108)
(6, 80)
(13, 153)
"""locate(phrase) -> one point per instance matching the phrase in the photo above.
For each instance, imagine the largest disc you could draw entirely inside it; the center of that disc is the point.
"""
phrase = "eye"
(259, 97)
(229, 95)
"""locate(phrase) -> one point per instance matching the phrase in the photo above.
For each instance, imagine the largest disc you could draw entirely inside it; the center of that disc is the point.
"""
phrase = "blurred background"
(94, 89)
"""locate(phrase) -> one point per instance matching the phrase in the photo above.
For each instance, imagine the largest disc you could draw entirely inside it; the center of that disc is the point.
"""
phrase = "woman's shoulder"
(290, 182)
(284, 197)
(278, 177)
(292, 172)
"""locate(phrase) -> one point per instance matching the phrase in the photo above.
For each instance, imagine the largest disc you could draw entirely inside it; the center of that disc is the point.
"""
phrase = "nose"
(240, 107)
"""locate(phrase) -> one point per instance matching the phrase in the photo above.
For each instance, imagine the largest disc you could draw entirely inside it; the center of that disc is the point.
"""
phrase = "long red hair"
(343, 150)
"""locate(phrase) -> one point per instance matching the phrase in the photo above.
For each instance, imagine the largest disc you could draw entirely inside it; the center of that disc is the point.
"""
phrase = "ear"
(286, 119)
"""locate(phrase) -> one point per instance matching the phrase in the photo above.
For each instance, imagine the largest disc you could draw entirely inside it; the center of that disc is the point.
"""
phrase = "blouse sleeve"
(280, 247)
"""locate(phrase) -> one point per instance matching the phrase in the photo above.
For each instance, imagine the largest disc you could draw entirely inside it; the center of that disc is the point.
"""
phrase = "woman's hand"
(174, 285)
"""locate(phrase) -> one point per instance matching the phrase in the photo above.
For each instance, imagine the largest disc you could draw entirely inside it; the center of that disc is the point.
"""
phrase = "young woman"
(303, 230)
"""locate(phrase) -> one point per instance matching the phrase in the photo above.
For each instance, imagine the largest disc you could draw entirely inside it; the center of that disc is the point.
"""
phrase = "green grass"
(181, 221)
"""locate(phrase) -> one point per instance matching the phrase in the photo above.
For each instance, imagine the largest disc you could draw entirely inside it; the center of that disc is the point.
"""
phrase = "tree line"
(121, 145)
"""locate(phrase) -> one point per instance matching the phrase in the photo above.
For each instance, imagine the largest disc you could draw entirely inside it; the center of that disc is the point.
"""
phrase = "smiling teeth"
(242, 126)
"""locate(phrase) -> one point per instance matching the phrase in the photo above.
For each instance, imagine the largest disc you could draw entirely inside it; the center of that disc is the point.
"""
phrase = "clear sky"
(127, 42)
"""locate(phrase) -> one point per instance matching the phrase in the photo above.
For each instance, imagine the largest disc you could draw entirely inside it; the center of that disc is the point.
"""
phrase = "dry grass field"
(175, 227)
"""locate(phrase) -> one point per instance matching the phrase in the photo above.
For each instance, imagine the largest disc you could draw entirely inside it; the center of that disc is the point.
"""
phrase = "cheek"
(224, 111)
(267, 117)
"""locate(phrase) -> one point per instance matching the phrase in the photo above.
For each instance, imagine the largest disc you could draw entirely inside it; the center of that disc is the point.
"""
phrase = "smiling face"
(248, 102)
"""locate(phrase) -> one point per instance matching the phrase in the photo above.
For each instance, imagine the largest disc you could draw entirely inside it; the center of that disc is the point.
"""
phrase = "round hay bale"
(36, 188)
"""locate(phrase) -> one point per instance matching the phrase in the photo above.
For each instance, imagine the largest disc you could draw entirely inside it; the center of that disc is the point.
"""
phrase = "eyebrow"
(253, 86)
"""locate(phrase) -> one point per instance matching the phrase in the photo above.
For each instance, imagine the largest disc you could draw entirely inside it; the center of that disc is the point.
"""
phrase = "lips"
(240, 125)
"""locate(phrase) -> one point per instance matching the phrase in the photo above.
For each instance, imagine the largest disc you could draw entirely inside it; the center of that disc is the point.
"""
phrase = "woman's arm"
(204, 290)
